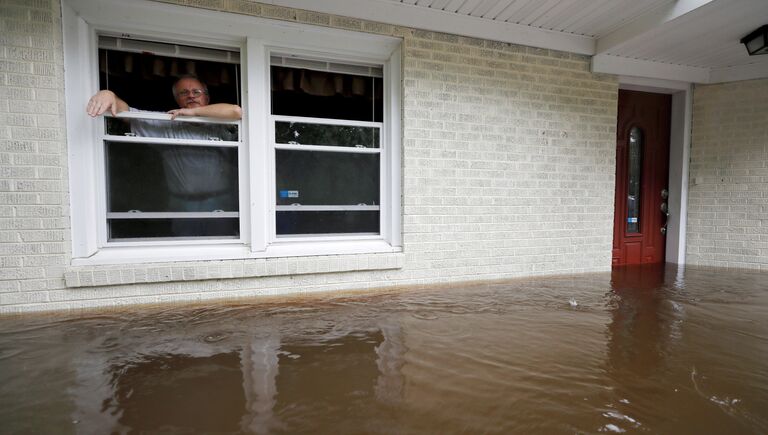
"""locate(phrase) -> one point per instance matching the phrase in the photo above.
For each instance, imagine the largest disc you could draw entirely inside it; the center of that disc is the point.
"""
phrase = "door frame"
(679, 156)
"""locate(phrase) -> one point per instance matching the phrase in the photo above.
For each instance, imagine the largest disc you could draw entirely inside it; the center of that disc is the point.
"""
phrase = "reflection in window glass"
(634, 171)
(154, 178)
(327, 222)
(302, 133)
(326, 94)
(325, 178)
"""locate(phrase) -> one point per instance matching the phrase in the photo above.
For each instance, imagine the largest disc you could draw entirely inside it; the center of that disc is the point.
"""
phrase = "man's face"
(190, 93)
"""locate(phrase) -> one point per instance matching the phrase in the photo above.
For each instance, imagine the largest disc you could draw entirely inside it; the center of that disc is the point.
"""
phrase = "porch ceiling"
(681, 40)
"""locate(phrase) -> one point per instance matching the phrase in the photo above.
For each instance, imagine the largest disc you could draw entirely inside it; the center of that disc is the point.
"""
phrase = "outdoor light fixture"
(757, 41)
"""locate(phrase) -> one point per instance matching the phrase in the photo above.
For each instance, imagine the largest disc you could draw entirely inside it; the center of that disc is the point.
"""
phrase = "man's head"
(190, 92)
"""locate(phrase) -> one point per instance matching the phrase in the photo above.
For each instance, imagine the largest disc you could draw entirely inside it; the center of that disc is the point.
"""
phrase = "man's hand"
(219, 110)
(105, 101)
(182, 112)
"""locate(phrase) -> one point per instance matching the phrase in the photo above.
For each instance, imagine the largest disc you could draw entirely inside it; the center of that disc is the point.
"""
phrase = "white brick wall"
(508, 170)
(728, 195)
(34, 226)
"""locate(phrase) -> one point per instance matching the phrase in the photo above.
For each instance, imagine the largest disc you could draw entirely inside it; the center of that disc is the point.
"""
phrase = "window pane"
(327, 222)
(150, 177)
(126, 229)
(321, 94)
(156, 128)
(170, 178)
(634, 170)
(326, 178)
(302, 133)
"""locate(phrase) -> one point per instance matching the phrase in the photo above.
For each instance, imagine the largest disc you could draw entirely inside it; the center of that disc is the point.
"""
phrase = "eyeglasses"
(194, 92)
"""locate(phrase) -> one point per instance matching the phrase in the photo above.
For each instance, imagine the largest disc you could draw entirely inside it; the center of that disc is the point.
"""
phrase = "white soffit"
(681, 40)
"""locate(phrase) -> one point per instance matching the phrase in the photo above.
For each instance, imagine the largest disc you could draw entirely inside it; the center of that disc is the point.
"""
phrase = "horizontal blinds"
(327, 66)
(166, 49)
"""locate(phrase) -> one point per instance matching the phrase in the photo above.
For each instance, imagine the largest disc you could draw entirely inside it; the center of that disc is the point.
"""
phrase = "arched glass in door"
(634, 172)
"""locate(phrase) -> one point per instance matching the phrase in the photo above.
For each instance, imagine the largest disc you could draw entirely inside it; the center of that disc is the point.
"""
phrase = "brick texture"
(34, 221)
(508, 170)
(728, 195)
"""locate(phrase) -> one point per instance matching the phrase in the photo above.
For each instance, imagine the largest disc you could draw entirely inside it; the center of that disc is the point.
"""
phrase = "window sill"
(125, 274)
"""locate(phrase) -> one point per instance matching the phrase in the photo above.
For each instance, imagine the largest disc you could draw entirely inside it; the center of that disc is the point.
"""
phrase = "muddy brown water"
(639, 350)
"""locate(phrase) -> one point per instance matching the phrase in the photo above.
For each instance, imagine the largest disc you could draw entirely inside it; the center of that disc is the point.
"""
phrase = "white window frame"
(255, 38)
(101, 201)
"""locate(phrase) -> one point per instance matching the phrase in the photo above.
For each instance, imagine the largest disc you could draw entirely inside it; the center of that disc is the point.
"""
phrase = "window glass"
(326, 178)
(184, 184)
(635, 167)
(324, 94)
(334, 190)
(327, 222)
(304, 133)
(169, 229)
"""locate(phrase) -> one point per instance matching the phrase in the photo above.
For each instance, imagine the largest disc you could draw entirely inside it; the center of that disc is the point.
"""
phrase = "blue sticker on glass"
(289, 194)
(632, 220)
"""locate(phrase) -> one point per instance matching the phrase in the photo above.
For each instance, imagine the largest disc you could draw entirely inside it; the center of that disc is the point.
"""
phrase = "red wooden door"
(642, 172)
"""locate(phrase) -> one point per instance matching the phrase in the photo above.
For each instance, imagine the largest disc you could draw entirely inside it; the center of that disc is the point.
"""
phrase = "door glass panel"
(634, 171)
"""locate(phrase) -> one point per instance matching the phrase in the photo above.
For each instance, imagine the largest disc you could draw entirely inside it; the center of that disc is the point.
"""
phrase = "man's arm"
(219, 110)
(104, 101)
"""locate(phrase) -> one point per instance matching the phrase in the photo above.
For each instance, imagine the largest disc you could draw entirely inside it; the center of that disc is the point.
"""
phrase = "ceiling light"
(757, 41)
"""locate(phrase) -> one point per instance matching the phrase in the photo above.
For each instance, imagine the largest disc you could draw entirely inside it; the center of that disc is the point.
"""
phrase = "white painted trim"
(301, 207)
(167, 141)
(161, 116)
(79, 79)
(234, 251)
(391, 196)
(258, 128)
(181, 24)
(758, 70)
(441, 21)
(623, 66)
(647, 23)
(679, 162)
(645, 84)
(330, 149)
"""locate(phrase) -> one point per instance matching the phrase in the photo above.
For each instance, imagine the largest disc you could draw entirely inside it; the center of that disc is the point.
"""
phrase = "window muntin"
(168, 179)
(327, 145)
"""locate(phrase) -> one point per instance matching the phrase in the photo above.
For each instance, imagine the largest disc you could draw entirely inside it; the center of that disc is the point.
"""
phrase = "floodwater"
(640, 350)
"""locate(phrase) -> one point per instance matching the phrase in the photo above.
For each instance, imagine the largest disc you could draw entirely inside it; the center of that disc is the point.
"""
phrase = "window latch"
(130, 134)
(215, 139)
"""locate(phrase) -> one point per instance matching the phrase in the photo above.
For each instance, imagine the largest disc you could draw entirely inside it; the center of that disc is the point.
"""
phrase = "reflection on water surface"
(639, 350)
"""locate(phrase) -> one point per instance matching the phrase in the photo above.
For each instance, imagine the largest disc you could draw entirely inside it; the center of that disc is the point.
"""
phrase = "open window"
(169, 179)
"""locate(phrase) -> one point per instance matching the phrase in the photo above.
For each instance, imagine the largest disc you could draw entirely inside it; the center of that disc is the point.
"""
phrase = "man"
(198, 178)
(189, 92)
